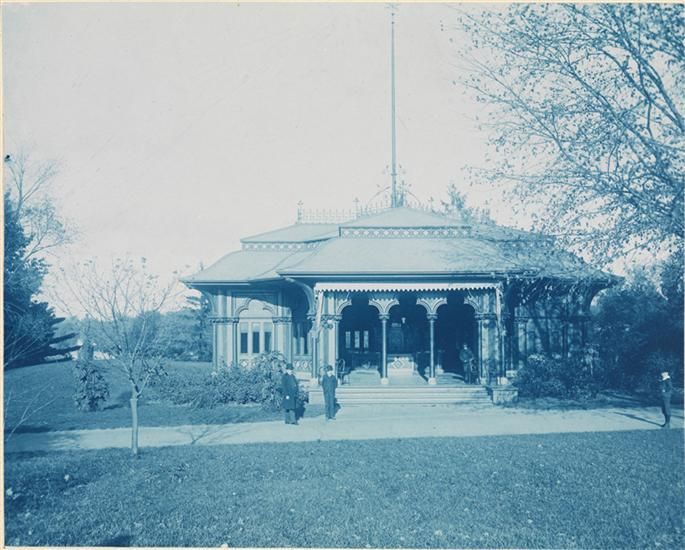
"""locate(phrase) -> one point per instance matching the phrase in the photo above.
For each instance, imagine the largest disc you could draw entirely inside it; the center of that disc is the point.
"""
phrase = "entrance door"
(455, 326)
(360, 336)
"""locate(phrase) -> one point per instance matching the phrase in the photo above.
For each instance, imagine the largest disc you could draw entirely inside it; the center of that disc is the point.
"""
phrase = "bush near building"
(554, 376)
(258, 384)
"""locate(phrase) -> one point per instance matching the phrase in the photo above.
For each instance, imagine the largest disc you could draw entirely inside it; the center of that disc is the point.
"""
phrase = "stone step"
(413, 395)
(412, 401)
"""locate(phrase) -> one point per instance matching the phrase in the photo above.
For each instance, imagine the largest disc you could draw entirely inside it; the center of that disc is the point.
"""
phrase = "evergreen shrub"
(553, 376)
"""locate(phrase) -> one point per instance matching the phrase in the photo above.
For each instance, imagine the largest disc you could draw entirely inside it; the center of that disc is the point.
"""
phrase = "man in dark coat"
(666, 389)
(290, 390)
(466, 358)
(329, 383)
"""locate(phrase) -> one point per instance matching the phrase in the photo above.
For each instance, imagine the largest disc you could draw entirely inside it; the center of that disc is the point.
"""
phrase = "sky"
(180, 128)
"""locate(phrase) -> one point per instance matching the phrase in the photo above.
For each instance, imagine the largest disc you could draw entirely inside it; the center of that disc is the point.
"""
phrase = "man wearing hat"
(666, 387)
(329, 383)
(290, 390)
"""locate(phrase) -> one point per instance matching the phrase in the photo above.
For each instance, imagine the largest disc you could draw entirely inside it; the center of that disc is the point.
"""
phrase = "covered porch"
(407, 333)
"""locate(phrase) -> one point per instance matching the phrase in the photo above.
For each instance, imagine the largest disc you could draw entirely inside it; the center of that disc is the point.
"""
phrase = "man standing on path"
(290, 391)
(329, 383)
(666, 387)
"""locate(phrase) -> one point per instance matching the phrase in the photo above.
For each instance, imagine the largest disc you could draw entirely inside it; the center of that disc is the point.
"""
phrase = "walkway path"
(360, 422)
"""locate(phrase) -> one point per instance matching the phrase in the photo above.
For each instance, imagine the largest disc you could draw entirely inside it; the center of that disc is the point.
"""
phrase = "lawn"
(591, 490)
(48, 392)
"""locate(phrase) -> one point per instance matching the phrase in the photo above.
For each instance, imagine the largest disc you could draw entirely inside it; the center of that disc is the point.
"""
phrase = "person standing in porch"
(466, 358)
(289, 389)
(666, 389)
(329, 383)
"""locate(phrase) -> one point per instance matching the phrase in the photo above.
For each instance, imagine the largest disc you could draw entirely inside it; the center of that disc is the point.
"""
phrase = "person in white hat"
(666, 388)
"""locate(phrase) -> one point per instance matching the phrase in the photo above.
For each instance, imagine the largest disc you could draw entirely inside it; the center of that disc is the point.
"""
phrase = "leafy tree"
(190, 328)
(640, 327)
(584, 107)
(29, 325)
(200, 311)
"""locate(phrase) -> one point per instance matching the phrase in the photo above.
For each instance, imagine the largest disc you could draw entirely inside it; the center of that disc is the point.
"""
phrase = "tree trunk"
(134, 421)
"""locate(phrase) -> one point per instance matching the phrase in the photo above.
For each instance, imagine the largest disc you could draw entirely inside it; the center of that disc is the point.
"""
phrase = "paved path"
(360, 422)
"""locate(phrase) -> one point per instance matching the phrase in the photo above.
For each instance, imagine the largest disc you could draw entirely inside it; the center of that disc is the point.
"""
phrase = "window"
(366, 339)
(348, 339)
(243, 338)
(356, 339)
(268, 331)
(256, 329)
(256, 336)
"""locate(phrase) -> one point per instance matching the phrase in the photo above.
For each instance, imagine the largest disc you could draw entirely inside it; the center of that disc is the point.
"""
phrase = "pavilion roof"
(248, 265)
(401, 241)
(298, 232)
(406, 217)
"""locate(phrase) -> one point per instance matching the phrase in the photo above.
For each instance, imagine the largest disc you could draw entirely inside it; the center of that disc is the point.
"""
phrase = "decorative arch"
(383, 304)
(342, 305)
(308, 293)
(474, 302)
(431, 303)
(247, 306)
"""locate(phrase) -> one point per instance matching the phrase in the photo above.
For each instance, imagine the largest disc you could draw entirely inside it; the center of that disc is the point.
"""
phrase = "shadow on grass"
(604, 400)
(118, 541)
(30, 429)
(640, 418)
(311, 411)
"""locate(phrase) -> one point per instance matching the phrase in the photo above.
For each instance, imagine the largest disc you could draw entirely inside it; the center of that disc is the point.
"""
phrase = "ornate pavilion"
(397, 292)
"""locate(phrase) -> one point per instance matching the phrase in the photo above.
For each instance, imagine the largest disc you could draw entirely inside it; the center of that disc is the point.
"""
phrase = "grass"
(604, 399)
(591, 490)
(48, 392)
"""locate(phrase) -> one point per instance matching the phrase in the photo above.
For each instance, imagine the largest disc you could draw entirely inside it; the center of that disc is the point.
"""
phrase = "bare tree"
(29, 186)
(123, 305)
(584, 108)
(26, 409)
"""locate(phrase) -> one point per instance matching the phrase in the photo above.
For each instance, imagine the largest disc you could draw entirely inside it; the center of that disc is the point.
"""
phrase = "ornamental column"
(336, 344)
(288, 336)
(481, 366)
(487, 344)
(521, 324)
(281, 343)
(232, 341)
(384, 347)
(223, 341)
(431, 322)
(313, 347)
(505, 346)
(329, 348)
